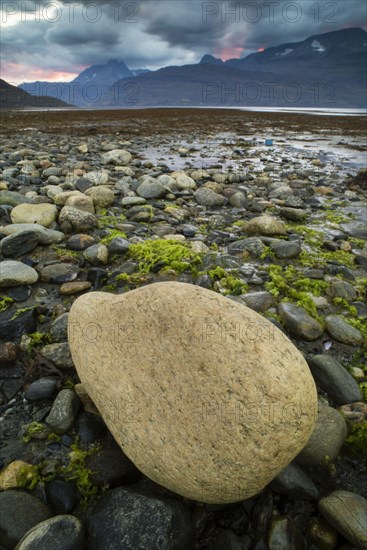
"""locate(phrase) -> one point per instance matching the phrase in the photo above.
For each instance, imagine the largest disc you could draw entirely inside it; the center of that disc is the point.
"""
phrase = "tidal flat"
(115, 200)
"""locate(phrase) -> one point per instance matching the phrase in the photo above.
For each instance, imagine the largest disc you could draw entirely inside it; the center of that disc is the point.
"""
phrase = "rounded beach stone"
(15, 273)
(346, 512)
(265, 225)
(42, 214)
(205, 396)
(59, 533)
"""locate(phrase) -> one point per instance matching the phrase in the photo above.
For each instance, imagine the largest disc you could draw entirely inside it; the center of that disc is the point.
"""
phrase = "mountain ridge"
(326, 70)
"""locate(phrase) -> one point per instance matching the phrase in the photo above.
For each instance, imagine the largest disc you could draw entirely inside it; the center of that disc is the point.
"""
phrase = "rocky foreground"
(281, 230)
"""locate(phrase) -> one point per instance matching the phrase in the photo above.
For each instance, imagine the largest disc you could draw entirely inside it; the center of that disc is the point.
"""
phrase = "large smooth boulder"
(204, 395)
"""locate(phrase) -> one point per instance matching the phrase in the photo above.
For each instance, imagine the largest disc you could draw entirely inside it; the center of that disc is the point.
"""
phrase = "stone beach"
(270, 244)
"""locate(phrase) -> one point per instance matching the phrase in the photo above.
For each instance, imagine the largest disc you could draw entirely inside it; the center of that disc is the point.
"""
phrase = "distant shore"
(318, 111)
(153, 121)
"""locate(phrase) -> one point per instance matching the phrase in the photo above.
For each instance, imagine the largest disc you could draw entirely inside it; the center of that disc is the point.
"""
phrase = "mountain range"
(326, 70)
(13, 97)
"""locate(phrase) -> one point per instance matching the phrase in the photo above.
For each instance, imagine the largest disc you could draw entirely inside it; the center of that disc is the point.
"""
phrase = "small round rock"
(59, 533)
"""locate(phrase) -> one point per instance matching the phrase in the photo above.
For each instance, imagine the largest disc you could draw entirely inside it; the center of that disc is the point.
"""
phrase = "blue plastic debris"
(269, 142)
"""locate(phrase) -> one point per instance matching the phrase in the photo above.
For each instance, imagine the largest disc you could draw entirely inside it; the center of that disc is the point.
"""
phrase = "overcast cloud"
(54, 40)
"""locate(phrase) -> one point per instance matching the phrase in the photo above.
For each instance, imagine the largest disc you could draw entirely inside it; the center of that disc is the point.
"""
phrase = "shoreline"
(252, 109)
(177, 121)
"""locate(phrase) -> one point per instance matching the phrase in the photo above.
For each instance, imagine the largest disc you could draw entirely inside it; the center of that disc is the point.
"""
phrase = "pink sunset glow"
(230, 52)
(16, 73)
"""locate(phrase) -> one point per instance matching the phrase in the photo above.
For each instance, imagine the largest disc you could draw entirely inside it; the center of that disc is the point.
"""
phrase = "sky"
(54, 40)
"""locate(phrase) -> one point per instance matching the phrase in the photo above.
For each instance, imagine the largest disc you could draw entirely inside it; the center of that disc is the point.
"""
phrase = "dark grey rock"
(361, 257)
(343, 332)
(14, 273)
(43, 388)
(355, 229)
(285, 250)
(62, 496)
(314, 273)
(64, 411)
(326, 439)
(228, 540)
(19, 293)
(19, 512)
(150, 189)
(228, 262)
(254, 245)
(284, 534)
(188, 230)
(345, 272)
(320, 534)
(13, 198)
(333, 378)
(298, 322)
(293, 214)
(59, 328)
(294, 202)
(79, 242)
(258, 301)
(59, 273)
(97, 276)
(19, 243)
(217, 222)
(119, 245)
(238, 200)
(111, 466)
(11, 387)
(204, 281)
(129, 519)
(292, 481)
(342, 289)
(14, 325)
(59, 353)
(82, 184)
(58, 533)
(90, 428)
(346, 512)
(207, 197)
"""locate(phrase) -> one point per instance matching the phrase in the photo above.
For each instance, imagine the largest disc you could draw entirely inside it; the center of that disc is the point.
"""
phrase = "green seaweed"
(113, 234)
(286, 283)
(64, 251)
(39, 338)
(321, 258)
(357, 440)
(363, 387)
(5, 303)
(33, 429)
(109, 220)
(20, 311)
(30, 475)
(231, 285)
(172, 254)
(77, 471)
